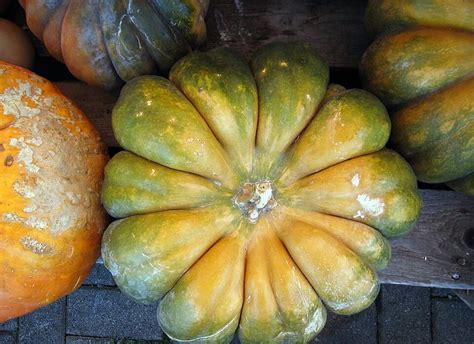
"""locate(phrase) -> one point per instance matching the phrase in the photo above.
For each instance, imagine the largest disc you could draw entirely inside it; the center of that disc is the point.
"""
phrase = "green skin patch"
(387, 15)
(401, 67)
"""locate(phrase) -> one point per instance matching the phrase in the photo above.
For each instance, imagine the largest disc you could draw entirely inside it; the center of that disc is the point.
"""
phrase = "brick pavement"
(98, 313)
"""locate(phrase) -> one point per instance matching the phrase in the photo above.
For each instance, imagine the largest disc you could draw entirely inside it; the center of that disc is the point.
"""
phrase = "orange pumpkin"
(51, 220)
(15, 45)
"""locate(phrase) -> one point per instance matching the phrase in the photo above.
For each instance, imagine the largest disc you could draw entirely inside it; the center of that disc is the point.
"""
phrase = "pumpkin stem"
(254, 199)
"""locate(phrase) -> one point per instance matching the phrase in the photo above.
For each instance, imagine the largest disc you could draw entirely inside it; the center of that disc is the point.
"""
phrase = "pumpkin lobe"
(254, 199)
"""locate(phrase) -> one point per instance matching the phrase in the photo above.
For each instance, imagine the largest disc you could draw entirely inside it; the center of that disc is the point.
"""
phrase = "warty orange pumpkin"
(252, 198)
(51, 168)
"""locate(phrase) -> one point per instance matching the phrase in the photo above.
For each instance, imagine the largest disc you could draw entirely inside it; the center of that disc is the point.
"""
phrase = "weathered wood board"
(334, 27)
(433, 254)
(439, 251)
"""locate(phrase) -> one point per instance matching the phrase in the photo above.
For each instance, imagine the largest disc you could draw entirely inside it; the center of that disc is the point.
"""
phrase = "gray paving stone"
(133, 341)
(108, 313)
(10, 325)
(88, 340)
(353, 329)
(404, 315)
(46, 325)
(453, 322)
(7, 338)
(100, 276)
(440, 292)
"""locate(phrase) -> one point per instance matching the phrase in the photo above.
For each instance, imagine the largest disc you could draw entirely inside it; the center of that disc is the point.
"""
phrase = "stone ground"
(98, 313)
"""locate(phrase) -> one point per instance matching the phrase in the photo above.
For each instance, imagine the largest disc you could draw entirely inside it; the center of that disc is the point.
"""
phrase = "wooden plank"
(334, 27)
(436, 252)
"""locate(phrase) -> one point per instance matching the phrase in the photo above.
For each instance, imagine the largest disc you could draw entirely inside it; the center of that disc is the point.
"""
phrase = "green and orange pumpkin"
(252, 198)
(51, 170)
(104, 42)
(422, 67)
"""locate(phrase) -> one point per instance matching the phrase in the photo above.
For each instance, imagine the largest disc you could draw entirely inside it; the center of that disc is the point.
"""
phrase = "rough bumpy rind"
(51, 220)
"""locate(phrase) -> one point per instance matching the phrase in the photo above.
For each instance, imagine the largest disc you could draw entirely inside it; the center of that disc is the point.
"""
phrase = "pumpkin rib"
(175, 141)
(290, 86)
(51, 33)
(129, 59)
(216, 137)
(204, 84)
(439, 141)
(330, 234)
(415, 112)
(349, 305)
(379, 262)
(425, 96)
(446, 174)
(422, 66)
(209, 276)
(230, 161)
(352, 108)
(134, 185)
(402, 66)
(160, 42)
(369, 203)
(110, 248)
(271, 279)
(297, 267)
(266, 239)
(83, 46)
(404, 14)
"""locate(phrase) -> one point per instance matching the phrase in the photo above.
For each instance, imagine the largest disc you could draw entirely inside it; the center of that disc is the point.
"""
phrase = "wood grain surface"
(435, 252)
(334, 27)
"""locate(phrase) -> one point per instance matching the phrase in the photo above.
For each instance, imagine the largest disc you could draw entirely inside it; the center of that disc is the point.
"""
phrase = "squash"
(105, 42)
(248, 196)
(422, 68)
(15, 45)
(51, 219)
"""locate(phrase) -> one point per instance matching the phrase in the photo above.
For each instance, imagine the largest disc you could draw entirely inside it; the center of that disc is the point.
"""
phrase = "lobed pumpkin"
(422, 67)
(15, 45)
(51, 220)
(252, 198)
(107, 42)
